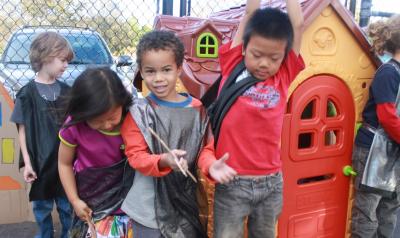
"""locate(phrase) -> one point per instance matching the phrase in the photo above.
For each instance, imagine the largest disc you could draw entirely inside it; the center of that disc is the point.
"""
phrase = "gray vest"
(169, 203)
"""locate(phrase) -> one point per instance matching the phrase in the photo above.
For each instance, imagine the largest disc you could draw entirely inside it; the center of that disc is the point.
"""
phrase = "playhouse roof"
(199, 73)
(311, 9)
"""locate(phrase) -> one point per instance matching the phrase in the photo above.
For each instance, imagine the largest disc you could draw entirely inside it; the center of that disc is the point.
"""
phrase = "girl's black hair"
(94, 92)
(160, 40)
(269, 23)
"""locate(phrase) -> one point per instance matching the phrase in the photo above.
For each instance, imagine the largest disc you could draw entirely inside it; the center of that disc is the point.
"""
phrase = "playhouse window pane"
(203, 50)
(211, 50)
(309, 110)
(332, 109)
(305, 140)
(331, 137)
(203, 41)
(211, 41)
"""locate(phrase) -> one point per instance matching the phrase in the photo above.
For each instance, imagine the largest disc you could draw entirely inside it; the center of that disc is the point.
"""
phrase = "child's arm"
(65, 163)
(251, 7)
(138, 154)
(296, 18)
(209, 165)
(29, 174)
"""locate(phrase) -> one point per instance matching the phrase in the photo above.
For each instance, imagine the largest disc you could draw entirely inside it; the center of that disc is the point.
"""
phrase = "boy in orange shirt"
(162, 201)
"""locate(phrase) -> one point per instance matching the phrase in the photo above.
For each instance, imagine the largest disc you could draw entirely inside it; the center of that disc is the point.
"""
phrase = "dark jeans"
(42, 211)
(372, 214)
(258, 199)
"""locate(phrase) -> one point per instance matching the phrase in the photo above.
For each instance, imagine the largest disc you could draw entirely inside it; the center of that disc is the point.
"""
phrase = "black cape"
(42, 120)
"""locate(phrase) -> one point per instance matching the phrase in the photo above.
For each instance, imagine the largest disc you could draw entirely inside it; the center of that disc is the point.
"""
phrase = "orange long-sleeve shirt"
(389, 120)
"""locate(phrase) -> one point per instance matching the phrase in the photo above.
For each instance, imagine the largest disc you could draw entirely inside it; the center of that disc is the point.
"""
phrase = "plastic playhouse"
(325, 103)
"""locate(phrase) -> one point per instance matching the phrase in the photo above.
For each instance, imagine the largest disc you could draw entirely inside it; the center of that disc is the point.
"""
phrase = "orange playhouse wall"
(14, 205)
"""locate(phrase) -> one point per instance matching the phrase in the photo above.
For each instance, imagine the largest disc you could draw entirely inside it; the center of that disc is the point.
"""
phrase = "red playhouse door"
(317, 143)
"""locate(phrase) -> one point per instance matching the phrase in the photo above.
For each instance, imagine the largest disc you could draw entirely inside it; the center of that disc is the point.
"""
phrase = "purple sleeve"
(68, 135)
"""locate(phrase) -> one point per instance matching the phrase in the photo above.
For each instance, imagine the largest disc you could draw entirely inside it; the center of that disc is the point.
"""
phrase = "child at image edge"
(373, 214)
(37, 116)
(268, 41)
(162, 201)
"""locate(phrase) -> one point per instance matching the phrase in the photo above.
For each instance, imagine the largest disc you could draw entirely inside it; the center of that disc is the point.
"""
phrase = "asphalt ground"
(23, 230)
(29, 229)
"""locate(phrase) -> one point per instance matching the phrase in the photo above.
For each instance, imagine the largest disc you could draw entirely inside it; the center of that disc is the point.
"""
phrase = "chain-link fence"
(101, 32)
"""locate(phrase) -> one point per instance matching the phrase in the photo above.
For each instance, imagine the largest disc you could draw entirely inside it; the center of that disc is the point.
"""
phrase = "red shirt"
(389, 120)
(251, 130)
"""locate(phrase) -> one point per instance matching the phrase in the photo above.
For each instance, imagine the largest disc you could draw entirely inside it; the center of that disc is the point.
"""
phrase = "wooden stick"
(92, 228)
(185, 172)
(168, 149)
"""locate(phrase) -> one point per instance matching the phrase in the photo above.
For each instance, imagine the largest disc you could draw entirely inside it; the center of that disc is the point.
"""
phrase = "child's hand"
(82, 210)
(220, 171)
(168, 160)
(29, 174)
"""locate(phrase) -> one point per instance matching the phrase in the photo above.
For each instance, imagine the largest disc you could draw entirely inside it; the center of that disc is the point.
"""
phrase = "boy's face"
(55, 67)
(263, 56)
(160, 72)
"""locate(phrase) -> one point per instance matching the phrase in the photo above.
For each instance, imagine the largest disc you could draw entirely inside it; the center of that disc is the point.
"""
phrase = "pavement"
(397, 231)
(29, 229)
(23, 230)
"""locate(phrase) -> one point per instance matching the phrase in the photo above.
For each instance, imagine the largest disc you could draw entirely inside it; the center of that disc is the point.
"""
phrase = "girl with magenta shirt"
(91, 155)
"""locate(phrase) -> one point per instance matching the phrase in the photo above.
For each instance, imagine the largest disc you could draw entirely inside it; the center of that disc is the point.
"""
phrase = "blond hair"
(385, 35)
(46, 46)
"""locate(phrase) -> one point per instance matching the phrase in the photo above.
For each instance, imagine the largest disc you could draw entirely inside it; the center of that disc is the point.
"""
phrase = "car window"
(88, 49)
(18, 50)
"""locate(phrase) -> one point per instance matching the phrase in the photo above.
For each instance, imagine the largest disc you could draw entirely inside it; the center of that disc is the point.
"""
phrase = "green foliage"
(121, 34)
(50, 12)
(7, 26)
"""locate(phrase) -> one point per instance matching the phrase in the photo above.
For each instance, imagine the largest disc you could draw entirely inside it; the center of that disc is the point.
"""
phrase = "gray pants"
(140, 231)
(258, 199)
(372, 215)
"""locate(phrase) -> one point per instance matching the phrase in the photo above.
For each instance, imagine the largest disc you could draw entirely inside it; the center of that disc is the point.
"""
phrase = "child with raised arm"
(266, 49)
(38, 121)
(162, 201)
(92, 163)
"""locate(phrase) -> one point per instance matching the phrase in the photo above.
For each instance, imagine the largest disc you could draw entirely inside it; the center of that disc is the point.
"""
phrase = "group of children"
(125, 162)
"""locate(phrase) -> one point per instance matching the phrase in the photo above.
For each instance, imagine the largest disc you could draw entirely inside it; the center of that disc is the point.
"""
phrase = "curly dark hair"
(385, 35)
(160, 40)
